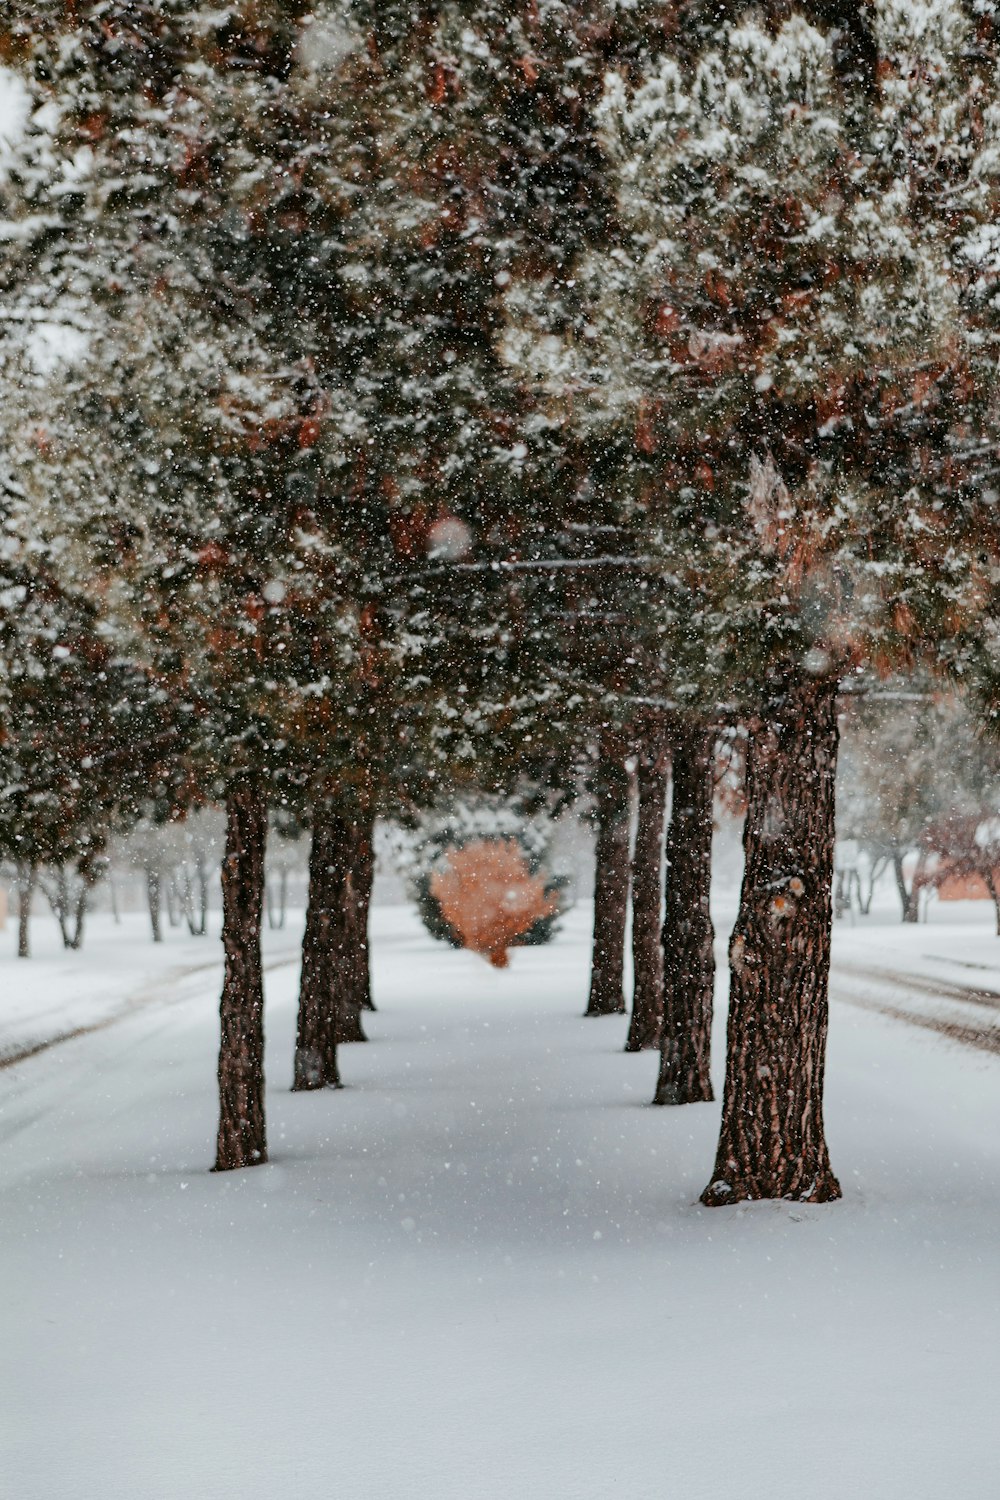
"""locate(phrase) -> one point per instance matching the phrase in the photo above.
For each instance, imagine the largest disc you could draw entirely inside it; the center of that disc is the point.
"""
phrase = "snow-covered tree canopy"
(793, 324)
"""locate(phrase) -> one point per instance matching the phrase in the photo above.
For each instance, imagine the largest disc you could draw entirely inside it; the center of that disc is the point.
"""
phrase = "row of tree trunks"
(335, 982)
(647, 898)
(772, 1142)
(335, 986)
(611, 884)
(688, 936)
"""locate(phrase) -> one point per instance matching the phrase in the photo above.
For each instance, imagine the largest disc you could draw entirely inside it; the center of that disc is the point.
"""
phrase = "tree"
(911, 757)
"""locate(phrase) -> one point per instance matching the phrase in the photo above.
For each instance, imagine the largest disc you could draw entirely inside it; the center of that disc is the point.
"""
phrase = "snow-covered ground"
(481, 1270)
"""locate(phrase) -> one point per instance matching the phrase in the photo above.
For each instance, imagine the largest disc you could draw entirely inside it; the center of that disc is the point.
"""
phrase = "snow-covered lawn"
(480, 1271)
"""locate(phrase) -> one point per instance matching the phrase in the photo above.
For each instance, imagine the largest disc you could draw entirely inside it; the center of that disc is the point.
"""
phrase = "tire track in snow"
(153, 994)
(958, 1014)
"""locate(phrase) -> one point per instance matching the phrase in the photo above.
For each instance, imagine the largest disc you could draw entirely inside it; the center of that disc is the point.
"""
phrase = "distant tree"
(964, 848)
(910, 758)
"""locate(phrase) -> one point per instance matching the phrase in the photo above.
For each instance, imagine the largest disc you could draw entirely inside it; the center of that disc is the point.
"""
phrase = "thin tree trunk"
(772, 1142)
(113, 892)
(186, 897)
(316, 1031)
(153, 892)
(993, 881)
(27, 880)
(611, 887)
(242, 1140)
(202, 896)
(59, 902)
(688, 935)
(865, 898)
(175, 912)
(909, 899)
(79, 915)
(271, 906)
(647, 903)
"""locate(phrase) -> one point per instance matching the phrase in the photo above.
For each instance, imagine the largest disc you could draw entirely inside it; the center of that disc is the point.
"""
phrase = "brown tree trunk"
(993, 881)
(364, 878)
(242, 1140)
(27, 879)
(688, 935)
(316, 1032)
(909, 899)
(611, 882)
(153, 893)
(772, 1143)
(350, 957)
(647, 902)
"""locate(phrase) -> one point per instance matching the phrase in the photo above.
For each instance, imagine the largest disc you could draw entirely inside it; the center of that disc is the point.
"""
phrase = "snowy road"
(481, 1271)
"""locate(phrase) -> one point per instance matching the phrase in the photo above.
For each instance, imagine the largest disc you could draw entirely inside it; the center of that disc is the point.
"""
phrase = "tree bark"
(277, 906)
(242, 1139)
(772, 1142)
(364, 879)
(202, 896)
(79, 917)
(611, 887)
(351, 971)
(909, 899)
(153, 893)
(27, 878)
(175, 911)
(647, 902)
(316, 1032)
(993, 881)
(688, 935)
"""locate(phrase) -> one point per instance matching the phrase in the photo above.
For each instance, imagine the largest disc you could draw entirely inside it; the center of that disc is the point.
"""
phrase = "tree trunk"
(772, 1143)
(647, 903)
(865, 898)
(276, 905)
(350, 971)
(611, 882)
(347, 976)
(993, 881)
(175, 911)
(202, 869)
(688, 935)
(364, 879)
(242, 1140)
(316, 1032)
(27, 878)
(909, 899)
(79, 917)
(153, 902)
(58, 900)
